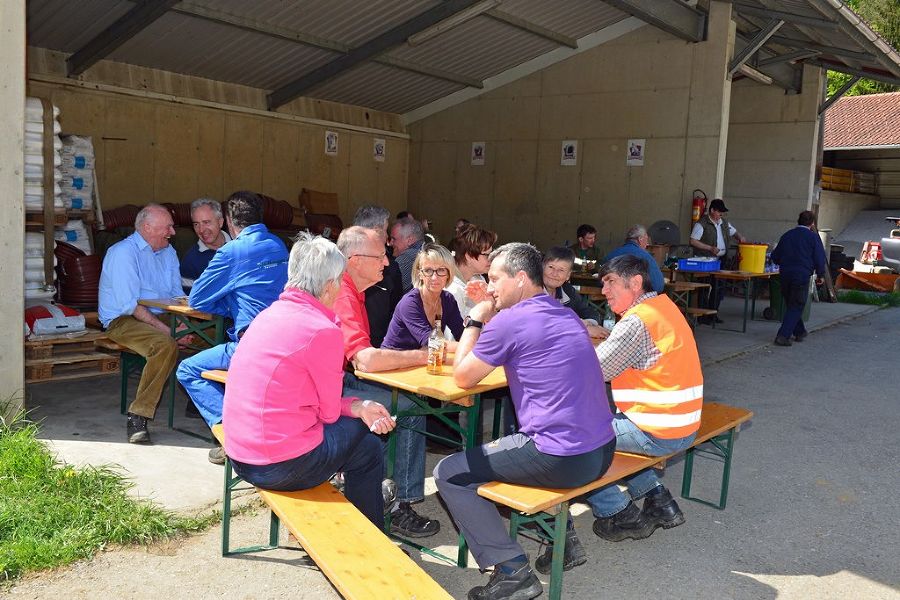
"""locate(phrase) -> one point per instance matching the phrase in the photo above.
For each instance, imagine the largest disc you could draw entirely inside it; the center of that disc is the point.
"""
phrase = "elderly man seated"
(657, 385)
(206, 217)
(636, 241)
(407, 237)
(142, 266)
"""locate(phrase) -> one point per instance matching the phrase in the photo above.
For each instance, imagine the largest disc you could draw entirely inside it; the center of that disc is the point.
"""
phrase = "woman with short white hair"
(286, 425)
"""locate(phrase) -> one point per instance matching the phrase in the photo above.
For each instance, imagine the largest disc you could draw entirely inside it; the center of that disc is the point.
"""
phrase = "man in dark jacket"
(799, 252)
(381, 298)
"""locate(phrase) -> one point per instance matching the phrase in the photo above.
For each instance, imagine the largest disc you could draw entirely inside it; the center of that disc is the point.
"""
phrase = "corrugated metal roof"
(384, 88)
(192, 46)
(478, 49)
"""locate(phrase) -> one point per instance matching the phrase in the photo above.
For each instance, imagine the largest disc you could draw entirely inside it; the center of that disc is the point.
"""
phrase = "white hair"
(635, 232)
(214, 205)
(353, 239)
(314, 261)
(145, 213)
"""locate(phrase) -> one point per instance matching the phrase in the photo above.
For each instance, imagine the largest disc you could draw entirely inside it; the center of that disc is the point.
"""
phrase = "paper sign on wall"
(331, 143)
(477, 158)
(569, 153)
(378, 150)
(635, 151)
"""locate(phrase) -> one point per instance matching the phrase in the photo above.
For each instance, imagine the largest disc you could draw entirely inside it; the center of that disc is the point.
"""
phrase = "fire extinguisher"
(698, 205)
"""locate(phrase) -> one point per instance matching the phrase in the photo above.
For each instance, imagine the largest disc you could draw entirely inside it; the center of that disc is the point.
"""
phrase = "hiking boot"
(191, 412)
(217, 455)
(572, 557)
(782, 341)
(661, 510)
(629, 522)
(406, 521)
(522, 584)
(137, 430)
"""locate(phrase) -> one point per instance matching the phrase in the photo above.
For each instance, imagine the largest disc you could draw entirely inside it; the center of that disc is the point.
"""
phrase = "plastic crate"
(692, 264)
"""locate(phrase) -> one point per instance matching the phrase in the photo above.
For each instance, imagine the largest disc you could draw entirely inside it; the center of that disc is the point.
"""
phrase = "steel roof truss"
(672, 16)
(769, 13)
(837, 94)
(758, 41)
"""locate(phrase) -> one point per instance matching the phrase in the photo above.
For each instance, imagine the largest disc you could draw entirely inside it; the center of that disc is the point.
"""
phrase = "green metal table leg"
(747, 285)
(688, 473)
(559, 551)
(726, 470)
(226, 509)
(274, 524)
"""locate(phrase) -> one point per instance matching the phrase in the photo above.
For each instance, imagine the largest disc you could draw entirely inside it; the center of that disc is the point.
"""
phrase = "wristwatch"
(470, 322)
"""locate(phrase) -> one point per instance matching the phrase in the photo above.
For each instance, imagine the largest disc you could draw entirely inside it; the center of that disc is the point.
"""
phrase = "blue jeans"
(609, 500)
(409, 467)
(207, 395)
(347, 446)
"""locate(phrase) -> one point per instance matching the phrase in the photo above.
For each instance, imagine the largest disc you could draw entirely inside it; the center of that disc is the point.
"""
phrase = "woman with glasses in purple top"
(417, 310)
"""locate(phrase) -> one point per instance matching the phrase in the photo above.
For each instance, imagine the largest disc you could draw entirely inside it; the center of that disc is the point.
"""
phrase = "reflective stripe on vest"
(665, 400)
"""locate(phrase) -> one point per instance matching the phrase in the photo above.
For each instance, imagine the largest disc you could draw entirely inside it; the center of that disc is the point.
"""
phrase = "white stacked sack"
(34, 157)
(36, 289)
(75, 233)
(77, 156)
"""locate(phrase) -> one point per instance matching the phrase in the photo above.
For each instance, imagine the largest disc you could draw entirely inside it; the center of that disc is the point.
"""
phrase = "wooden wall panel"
(514, 209)
(211, 155)
(242, 153)
(127, 173)
(364, 175)
(393, 175)
(557, 195)
(176, 155)
(281, 160)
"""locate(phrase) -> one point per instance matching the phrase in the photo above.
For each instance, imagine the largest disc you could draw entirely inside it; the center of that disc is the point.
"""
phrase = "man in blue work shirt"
(636, 241)
(798, 253)
(142, 266)
(244, 277)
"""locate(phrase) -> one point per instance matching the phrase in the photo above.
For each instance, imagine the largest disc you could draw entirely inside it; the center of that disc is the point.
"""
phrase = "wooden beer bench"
(548, 508)
(356, 556)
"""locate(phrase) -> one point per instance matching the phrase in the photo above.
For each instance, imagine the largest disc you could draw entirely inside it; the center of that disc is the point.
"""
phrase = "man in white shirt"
(711, 236)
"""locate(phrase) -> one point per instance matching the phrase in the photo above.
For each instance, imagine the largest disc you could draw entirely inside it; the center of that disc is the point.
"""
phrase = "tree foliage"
(884, 17)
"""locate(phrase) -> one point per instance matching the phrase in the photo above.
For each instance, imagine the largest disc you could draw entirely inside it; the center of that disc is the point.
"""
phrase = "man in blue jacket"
(636, 241)
(244, 277)
(799, 252)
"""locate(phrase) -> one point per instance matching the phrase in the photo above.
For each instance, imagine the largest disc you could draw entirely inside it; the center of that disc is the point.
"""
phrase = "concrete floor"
(810, 513)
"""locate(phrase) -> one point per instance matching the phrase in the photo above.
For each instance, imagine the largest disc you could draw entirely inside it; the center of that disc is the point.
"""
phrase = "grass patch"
(52, 514)
(873, 298)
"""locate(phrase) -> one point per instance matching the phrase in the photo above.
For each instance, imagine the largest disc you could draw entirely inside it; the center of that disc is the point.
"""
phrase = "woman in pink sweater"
(286, 425)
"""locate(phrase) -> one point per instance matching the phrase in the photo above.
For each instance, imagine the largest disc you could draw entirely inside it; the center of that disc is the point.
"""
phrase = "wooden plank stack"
(68, 358)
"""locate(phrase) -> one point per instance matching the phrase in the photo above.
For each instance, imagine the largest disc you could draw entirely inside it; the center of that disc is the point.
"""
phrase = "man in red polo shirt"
(366, 260)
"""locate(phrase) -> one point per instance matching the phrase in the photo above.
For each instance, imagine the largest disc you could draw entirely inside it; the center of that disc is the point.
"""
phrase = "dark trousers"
(511, 459)
(795, 290)
(347, 446)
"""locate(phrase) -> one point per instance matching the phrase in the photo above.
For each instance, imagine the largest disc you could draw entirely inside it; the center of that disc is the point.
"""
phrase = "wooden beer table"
(418, 385)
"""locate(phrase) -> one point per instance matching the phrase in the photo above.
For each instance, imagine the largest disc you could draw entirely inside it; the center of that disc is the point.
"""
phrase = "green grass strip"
(52, 514)
(873, 298)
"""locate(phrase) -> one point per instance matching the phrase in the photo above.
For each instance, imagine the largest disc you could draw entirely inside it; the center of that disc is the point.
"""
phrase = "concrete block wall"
(771, 156)
(645, 84)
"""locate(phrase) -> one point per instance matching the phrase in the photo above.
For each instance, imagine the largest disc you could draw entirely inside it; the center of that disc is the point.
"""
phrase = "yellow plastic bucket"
(752, 257)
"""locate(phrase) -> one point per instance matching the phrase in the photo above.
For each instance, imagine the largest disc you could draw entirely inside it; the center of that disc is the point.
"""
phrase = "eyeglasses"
(381, 256)
(440, 272)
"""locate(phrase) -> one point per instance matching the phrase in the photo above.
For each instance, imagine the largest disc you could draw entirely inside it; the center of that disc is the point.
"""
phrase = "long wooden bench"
(548, 508)
(359, 560)
(693, 313)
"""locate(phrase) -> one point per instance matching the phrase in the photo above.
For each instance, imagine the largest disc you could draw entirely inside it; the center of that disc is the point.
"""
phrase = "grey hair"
(371, 216)
(635, 232)
(145, 213)
(409, 227)
(353, 239)
(214, 205)
(627, 266)
(521, 257)
(314, 261)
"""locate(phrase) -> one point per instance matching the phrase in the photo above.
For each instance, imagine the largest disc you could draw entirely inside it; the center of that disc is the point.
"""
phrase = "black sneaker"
(782, 341)
(137, 430)
(572, 557)
(191, 412)
(406, 521)
(217, 455)
(523, 584)
(629, 522)
(801, 337)
(661, 510)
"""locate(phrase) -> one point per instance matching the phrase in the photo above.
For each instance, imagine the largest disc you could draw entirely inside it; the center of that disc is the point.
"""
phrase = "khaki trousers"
(161, 352)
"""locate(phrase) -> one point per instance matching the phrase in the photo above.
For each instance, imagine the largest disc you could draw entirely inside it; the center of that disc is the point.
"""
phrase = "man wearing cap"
(711, 236)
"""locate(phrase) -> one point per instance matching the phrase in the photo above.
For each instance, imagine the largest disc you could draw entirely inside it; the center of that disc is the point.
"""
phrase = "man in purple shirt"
(565, 438)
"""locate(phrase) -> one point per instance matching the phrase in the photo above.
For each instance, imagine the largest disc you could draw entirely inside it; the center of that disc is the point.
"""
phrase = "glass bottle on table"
(436, 345)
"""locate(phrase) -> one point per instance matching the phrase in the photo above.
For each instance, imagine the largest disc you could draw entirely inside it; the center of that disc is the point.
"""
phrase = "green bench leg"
(554, 529)
(231, 482)
(724, 444)
(128, 363)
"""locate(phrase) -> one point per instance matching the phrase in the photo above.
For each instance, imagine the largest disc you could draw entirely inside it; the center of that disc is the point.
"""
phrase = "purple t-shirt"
(553, 373)
(409, 328)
